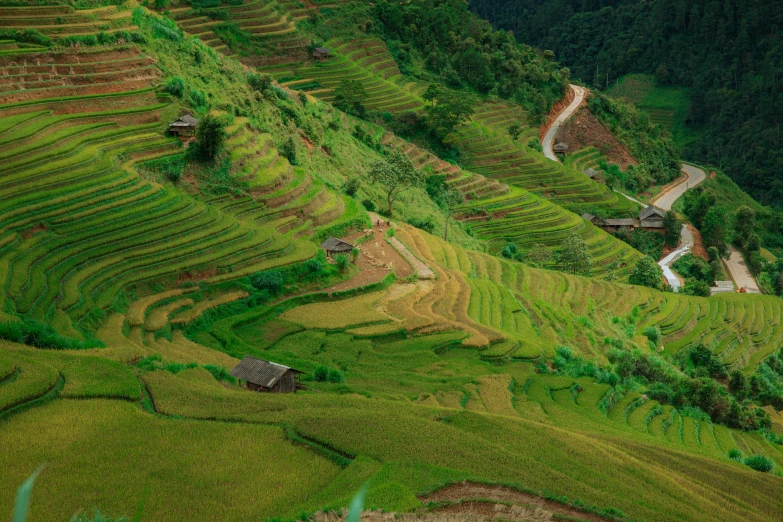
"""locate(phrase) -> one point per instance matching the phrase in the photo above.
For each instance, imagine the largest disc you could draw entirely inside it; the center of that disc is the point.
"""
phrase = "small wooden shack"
(321, 54)
(335, 246)
(265, 376)
(184, 126)
(560, 148)
(595, 175)
(618, 225)
(592, 219)
(651, 218)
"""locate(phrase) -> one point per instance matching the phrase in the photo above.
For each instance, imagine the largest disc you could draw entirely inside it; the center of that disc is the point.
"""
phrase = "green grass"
(667, 106)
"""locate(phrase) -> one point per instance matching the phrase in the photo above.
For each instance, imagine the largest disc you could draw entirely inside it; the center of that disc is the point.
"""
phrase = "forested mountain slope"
(728, 53)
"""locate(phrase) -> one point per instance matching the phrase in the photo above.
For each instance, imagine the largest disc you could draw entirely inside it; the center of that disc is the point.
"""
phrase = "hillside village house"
(320, 54)
(650, 218)
(265, 376)
(334, 246)
(184, 126)
(560, 148)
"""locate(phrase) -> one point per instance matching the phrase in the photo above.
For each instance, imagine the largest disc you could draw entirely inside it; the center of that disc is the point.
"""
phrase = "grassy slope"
(666, 105)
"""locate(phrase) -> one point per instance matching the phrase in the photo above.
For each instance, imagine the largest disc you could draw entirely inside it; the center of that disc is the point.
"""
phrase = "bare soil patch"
(698, 249)
(464, 497)
(30, 232)
(585, 130)
(376, 259)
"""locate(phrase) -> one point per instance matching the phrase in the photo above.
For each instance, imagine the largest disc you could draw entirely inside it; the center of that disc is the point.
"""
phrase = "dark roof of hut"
(321, 50)
(185, 121)
(259, 371)
(588, 216)
(561, 147)
(651, 211)
(336, 245)
(628, 222)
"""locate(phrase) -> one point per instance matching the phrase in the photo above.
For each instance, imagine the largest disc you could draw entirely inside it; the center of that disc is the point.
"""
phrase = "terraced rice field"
(61, 21)
(502, 214)
(79, 225)
(492, 153)
(584, 159)
(366, 60)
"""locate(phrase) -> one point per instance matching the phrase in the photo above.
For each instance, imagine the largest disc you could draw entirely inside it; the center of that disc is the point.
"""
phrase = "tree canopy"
(395, 174)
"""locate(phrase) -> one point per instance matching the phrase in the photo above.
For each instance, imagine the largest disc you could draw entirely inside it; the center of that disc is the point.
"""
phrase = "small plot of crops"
(366, 61)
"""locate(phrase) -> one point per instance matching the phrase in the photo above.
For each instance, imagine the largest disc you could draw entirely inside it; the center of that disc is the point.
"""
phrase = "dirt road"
(740, 272)
(666, 199)
(549, 138)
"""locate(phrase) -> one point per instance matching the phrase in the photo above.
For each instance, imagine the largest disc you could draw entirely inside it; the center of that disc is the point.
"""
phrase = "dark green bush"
(271, 281)
(735, 454)
(335, 376)
(759, 463)
(342, 261)
(321, 374)
(220, 373)
(175, 86)
(33, 333)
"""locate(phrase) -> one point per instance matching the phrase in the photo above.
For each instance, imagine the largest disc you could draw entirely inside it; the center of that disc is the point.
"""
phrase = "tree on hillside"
(515, 130)
(350, 97)
(395, 174)
(574, 257)
(713, 230)
(672, 227)
(210, 137)
(433, 92)
(646, 273)
(450, 112)
(744, 224)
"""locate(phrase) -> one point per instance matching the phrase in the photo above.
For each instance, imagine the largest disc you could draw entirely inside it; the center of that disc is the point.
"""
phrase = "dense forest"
(729, 53)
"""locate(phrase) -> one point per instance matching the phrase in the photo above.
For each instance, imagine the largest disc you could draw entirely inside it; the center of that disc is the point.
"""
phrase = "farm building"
(651, 218)
(560, 148)
(595, 175)
(321, 53)
(261, 375)
(618, 225)
(592, 219)
(184, 126)
(336, 246)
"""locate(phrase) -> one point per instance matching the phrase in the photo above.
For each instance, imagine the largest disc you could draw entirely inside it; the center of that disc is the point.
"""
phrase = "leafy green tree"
(451, 111)
(395, 174)
(261, 82)
(574, 258)
(672, 228)
(350, 97)
(210, 137)
(713, 230)
(515, 130)
(646, 273)
(744, 224)
(433, 92)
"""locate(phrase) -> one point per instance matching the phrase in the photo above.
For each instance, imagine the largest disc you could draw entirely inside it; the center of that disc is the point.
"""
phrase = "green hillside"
(471, 376)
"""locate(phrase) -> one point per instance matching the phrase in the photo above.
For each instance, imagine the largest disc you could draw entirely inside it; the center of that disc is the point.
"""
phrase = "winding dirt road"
(549, 138)
(740, 272)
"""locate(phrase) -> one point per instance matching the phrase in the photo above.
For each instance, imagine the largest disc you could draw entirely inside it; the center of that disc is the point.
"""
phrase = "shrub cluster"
(33, 333)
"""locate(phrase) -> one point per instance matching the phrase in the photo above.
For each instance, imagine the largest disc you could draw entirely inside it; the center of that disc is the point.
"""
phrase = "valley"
(282, 260)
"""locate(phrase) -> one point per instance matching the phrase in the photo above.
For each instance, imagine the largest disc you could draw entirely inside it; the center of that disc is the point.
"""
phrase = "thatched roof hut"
(336, 246)
(261, 375)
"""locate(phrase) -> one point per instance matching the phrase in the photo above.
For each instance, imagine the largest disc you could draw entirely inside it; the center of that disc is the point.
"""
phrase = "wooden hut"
(184, 126)
(264, 376)
(336, 246)
(560, 148)
(321, 54)
(651, 218)
(618, 225)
